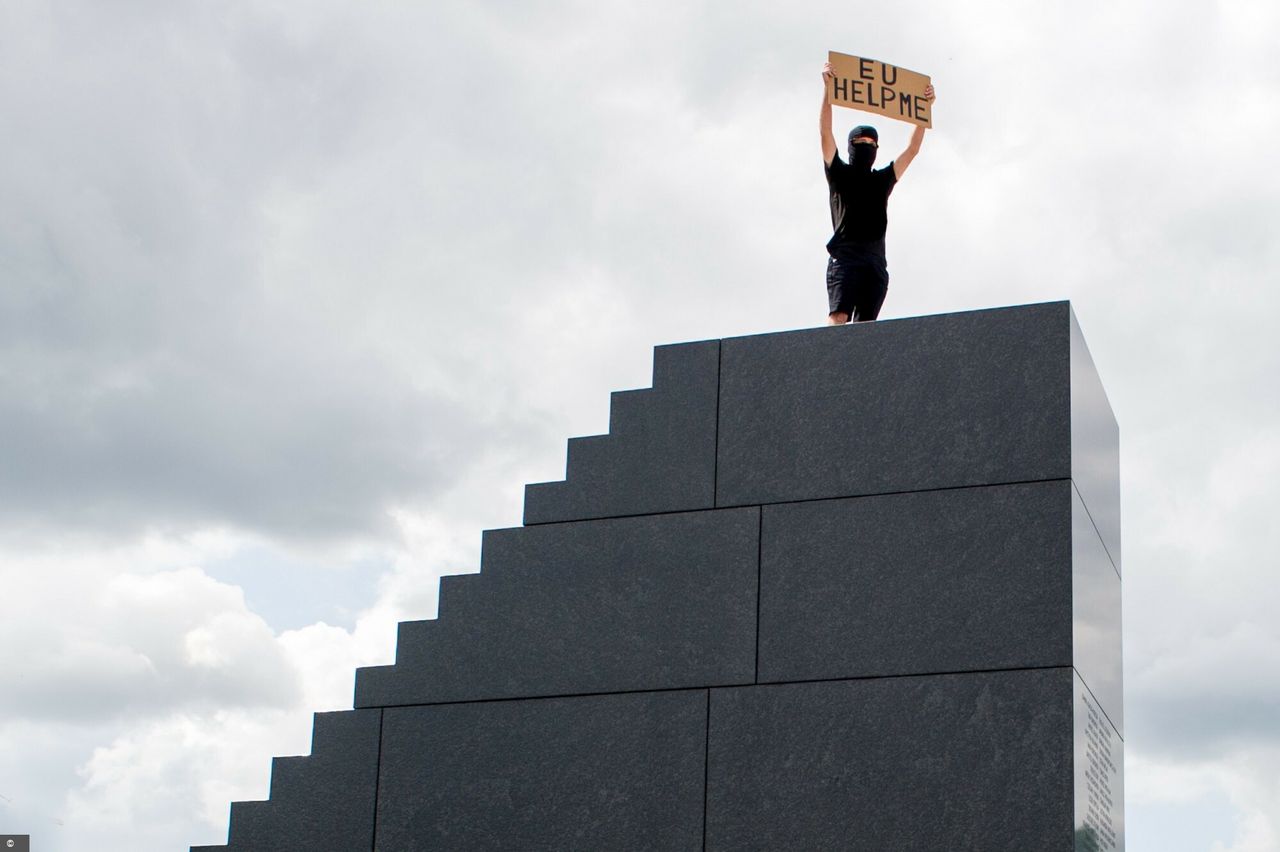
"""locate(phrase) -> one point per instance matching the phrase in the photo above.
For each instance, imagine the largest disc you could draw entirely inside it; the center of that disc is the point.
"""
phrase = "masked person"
(857, 273)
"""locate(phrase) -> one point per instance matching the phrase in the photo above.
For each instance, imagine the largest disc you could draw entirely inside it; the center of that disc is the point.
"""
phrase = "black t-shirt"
(859, 208)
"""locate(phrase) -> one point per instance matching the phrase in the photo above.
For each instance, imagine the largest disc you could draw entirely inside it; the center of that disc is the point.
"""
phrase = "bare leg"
(837, 318)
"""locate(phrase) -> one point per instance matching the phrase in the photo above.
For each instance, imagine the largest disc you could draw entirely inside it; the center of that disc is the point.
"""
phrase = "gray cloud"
(160, 367)
(285, 270)
(1212, 697)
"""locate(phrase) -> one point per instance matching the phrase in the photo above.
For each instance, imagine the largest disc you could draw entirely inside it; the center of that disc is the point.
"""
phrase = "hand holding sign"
(874, 86)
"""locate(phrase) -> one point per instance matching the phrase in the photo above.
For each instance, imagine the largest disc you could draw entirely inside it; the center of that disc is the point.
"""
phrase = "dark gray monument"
(842, 588)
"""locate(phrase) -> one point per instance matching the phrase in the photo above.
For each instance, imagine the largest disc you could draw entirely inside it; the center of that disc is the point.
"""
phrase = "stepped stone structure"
(840, 588)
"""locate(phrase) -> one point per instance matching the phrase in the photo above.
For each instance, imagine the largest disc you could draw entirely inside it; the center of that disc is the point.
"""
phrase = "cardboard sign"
(873, 86)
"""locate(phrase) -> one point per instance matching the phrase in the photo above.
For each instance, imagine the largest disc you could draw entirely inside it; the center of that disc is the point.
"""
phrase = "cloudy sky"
(294, 298)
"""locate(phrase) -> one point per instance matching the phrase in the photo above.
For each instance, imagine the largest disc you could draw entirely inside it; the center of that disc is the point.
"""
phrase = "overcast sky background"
(294, 298)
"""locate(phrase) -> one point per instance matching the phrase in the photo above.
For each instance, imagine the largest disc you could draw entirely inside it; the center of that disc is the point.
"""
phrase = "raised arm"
(913, 147)
(824, 117)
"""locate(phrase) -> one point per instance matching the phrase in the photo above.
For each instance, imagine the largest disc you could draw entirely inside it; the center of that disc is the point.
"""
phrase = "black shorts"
(857, 286)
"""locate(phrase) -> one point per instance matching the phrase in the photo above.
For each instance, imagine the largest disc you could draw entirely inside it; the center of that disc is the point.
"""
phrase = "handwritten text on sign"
(873, 86)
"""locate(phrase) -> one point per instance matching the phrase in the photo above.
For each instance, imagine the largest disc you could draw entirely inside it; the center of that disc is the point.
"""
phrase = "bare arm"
(824, 118)
(913, 147)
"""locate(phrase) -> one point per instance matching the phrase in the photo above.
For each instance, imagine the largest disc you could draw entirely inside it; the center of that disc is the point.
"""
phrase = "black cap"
(864, 130)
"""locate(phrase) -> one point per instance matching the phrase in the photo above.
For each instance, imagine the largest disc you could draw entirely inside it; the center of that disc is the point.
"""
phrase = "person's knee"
(837, 318)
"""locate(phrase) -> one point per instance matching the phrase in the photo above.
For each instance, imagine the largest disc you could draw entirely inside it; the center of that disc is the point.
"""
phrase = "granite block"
(251, 825)
(976, 398)
(1096, 616)
(626, 604)
(1095, 445)
(963, 579)
(1098, 773)
(463, 596)
(921, 516)
(940, 763)
(324, 801)
(585, 773)
(659, 455)
(289, 772)
(586, 456)
(627, 411)
(413, 638)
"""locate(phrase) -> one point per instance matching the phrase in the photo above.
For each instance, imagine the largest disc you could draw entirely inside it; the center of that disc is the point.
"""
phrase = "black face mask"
(862, 156)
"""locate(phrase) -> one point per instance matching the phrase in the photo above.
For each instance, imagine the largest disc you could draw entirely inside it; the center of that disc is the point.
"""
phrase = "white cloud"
(157, 784)
(1215, 804)
(96, 644)
(156, 697)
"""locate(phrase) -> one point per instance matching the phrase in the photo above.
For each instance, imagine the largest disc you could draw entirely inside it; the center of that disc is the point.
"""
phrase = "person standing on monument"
(857, 273)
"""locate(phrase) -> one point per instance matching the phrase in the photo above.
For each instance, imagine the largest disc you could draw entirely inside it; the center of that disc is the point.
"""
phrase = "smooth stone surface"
(1095, 445)
(659, 455)
(586, 773)
(974, 398)
(1096, 614)
(935, 581)
(656, 602)
(942, 763)
(1099, 776)
(1015, 562)
(324, 801)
